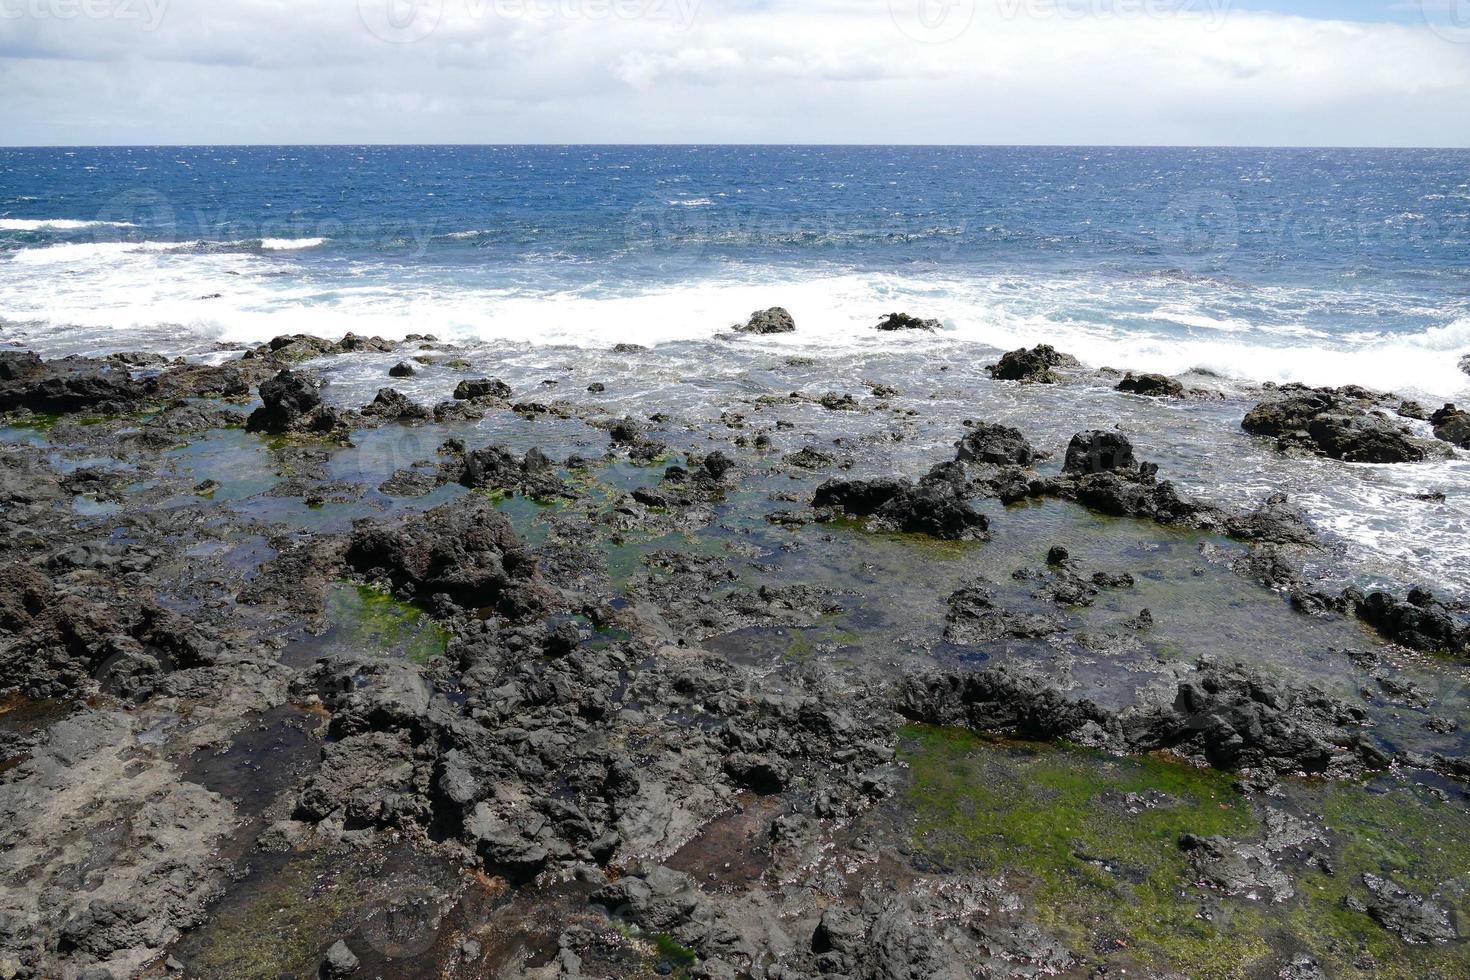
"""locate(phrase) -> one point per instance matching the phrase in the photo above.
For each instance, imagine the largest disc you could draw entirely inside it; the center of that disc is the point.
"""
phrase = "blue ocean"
(1227, 267)
(1325, 266)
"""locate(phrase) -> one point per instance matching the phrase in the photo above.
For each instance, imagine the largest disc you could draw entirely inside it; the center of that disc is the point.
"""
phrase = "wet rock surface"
(1341, 423)
(904, 321)
(633, 696)
(1035, 366)
(774, 320)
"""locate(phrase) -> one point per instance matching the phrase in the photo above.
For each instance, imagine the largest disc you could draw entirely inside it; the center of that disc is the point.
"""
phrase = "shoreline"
(680, 693)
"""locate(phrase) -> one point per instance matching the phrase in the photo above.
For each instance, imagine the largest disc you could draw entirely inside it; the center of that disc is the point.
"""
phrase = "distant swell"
(84, 251)
(56, 224)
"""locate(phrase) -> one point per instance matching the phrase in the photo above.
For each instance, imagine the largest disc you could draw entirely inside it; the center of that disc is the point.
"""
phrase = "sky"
(1149, 72)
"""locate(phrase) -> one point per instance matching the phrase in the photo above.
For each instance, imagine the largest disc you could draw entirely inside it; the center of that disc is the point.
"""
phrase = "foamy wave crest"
(85, 251)
(1105, 323)
(290, 244)
(57, 224)
(109, 251)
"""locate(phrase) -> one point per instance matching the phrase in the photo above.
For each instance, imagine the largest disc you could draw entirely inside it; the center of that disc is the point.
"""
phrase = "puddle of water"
(364, 621)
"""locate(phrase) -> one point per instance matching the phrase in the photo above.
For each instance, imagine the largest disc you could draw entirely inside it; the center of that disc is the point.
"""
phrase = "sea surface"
(1236, 266)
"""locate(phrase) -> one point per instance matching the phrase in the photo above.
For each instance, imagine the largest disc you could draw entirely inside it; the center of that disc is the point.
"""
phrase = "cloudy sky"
(1258, 72)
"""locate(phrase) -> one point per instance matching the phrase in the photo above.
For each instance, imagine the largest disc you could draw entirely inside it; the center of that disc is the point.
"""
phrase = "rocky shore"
(573, 692)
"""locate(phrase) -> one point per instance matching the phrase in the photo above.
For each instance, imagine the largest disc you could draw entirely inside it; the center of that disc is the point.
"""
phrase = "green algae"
(1402, 833)
(367, 620)
(674, 953)
(1104, 869)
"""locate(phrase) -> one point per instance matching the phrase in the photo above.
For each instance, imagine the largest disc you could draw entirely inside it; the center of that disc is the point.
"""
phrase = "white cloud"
(707, 71)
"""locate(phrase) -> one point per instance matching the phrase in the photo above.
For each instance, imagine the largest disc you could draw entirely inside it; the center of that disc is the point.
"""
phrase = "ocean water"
(1245, 265)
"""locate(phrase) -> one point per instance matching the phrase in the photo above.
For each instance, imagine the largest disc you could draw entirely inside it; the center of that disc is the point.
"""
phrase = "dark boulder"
(1452, 425)
(858, 498)
(473, 390)
(286, 400)
(1033, 366)
(1099, 451)
(464, 549)
(1363, 437)
(1236, 717)
(1151, 385)
(17, 365)
(1337, 423)
(1419, 621)
(903, 321)
(392, 405)
(402, 369)
(1132, 494)
(717, 464)
(999, 700)
(72, 384)
(531, 475)
(936, 509)
(995, 445)
(774, 320)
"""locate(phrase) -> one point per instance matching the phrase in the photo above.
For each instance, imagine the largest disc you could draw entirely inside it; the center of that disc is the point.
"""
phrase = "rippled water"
(1327, 266)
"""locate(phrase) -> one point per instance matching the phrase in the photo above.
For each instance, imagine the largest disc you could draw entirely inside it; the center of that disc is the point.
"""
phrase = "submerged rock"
(1033, 366)
(974, 619)
(774, 320)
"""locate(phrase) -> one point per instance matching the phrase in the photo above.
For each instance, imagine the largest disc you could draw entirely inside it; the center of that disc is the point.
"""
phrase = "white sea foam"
(56, 224)
(111, 251)
(289, 244)
(1135, 323)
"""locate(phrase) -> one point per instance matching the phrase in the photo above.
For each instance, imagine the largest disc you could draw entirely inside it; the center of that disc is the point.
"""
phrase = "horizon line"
(697, 145)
